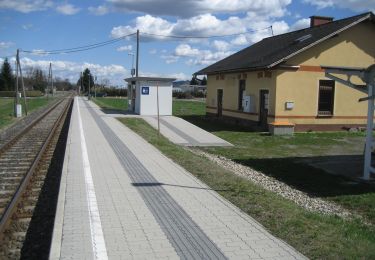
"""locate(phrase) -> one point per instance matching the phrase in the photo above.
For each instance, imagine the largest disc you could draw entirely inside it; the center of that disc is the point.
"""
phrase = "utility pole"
(95, 85)
(157, 105)
(50, 67)
(137, 58)
(17, 105)
(50, 82)
(81, 89)
(23, 85)
(88, 96)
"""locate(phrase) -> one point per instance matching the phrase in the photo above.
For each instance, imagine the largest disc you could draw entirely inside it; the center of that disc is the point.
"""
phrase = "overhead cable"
(80, 48)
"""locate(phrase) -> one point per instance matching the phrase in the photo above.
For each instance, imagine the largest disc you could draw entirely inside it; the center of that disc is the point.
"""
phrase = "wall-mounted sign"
(289, 105)
(145, 90)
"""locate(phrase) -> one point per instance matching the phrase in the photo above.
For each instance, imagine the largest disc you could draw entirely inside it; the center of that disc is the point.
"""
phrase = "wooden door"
(219, 102)
(263, 110)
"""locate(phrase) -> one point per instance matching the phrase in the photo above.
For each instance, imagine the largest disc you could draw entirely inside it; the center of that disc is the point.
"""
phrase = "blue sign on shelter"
(145, 90)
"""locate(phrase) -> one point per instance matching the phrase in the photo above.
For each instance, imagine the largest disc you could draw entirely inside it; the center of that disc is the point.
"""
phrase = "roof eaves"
(202, 72)
(319, 41)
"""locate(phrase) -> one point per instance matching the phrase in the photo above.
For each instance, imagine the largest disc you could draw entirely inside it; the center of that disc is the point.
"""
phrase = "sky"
(44, 25)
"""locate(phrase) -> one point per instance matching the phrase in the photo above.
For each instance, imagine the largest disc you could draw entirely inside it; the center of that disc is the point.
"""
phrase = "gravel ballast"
(271, 184)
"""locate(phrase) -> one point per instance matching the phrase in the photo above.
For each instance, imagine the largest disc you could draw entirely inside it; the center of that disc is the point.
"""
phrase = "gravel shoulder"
(300, 198)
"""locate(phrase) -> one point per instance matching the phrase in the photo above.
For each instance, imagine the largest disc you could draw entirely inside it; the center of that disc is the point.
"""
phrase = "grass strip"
(179, 107)
(316, 236)
(7, 108)
(120, 104)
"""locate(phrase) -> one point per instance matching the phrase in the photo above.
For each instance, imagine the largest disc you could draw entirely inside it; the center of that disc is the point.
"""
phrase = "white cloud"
(38, 52)
(208, 25)
(202, 25)
(221, 45)
(189, 8)
(177, 76)
(300, 24)
(71, 70)
(169, 59)
(197, 56)
(153, 51)
(5, 45)
(27, 26)
(355, 5)
(125, 48)
(185, 50)
(67, 9)
(240, 40)
(252, 27)
(26, 6)
(100, 10)
(146, 24)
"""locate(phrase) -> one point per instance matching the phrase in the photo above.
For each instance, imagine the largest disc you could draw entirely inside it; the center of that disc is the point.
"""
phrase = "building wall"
(230, 85)
(351, 49)
(146, 104)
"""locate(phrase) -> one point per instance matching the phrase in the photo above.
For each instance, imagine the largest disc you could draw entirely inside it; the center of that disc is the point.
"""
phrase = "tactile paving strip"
(189, 241)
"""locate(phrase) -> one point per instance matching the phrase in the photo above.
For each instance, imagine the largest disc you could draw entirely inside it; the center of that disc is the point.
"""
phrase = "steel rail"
(5, 146)
(12, 206)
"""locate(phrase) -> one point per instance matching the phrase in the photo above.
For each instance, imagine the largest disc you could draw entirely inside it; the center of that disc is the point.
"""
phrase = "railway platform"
(120, 198)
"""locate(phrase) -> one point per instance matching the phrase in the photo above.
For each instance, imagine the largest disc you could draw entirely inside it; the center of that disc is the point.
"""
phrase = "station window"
(326, 97)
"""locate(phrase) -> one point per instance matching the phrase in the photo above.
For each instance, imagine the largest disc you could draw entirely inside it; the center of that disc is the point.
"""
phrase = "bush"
(182, 95)
(198, 94)
(34, 93)
(111, 92)
(30, 93)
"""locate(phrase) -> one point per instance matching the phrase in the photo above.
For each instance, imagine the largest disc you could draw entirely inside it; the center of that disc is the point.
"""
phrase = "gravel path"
(300, 198)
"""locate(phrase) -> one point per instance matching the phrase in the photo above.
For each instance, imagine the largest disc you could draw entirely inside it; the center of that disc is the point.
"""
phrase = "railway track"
(24, 164)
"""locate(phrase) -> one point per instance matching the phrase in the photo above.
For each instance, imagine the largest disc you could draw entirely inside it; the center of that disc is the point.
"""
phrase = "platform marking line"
(97, 238)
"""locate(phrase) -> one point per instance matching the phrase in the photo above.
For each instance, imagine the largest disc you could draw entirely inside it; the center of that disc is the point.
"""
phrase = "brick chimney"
(319, 20)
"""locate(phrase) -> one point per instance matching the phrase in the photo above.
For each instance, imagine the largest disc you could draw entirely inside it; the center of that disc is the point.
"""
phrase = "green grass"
(179, 107)
(188, 108)
(7, 108)
(315, 235)
(120, 104)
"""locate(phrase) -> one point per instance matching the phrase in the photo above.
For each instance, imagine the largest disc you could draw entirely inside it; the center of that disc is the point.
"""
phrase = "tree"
(86, 79)
(39, 80)
(62, 84)
(7, 81)
(194, 81)
(204, 81)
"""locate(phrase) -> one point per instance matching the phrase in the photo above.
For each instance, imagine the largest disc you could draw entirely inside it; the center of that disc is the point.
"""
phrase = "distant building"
(184, 86)
(280, 80)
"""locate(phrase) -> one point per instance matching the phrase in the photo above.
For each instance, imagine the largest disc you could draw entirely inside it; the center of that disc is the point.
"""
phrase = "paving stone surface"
(148, 207)
(182, 132)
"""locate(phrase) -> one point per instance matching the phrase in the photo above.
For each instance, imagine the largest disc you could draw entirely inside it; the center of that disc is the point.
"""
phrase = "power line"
(80, 48)
(101, 44)
(204, 37)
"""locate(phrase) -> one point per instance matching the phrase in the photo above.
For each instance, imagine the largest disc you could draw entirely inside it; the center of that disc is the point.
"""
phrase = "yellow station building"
(279, 80)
